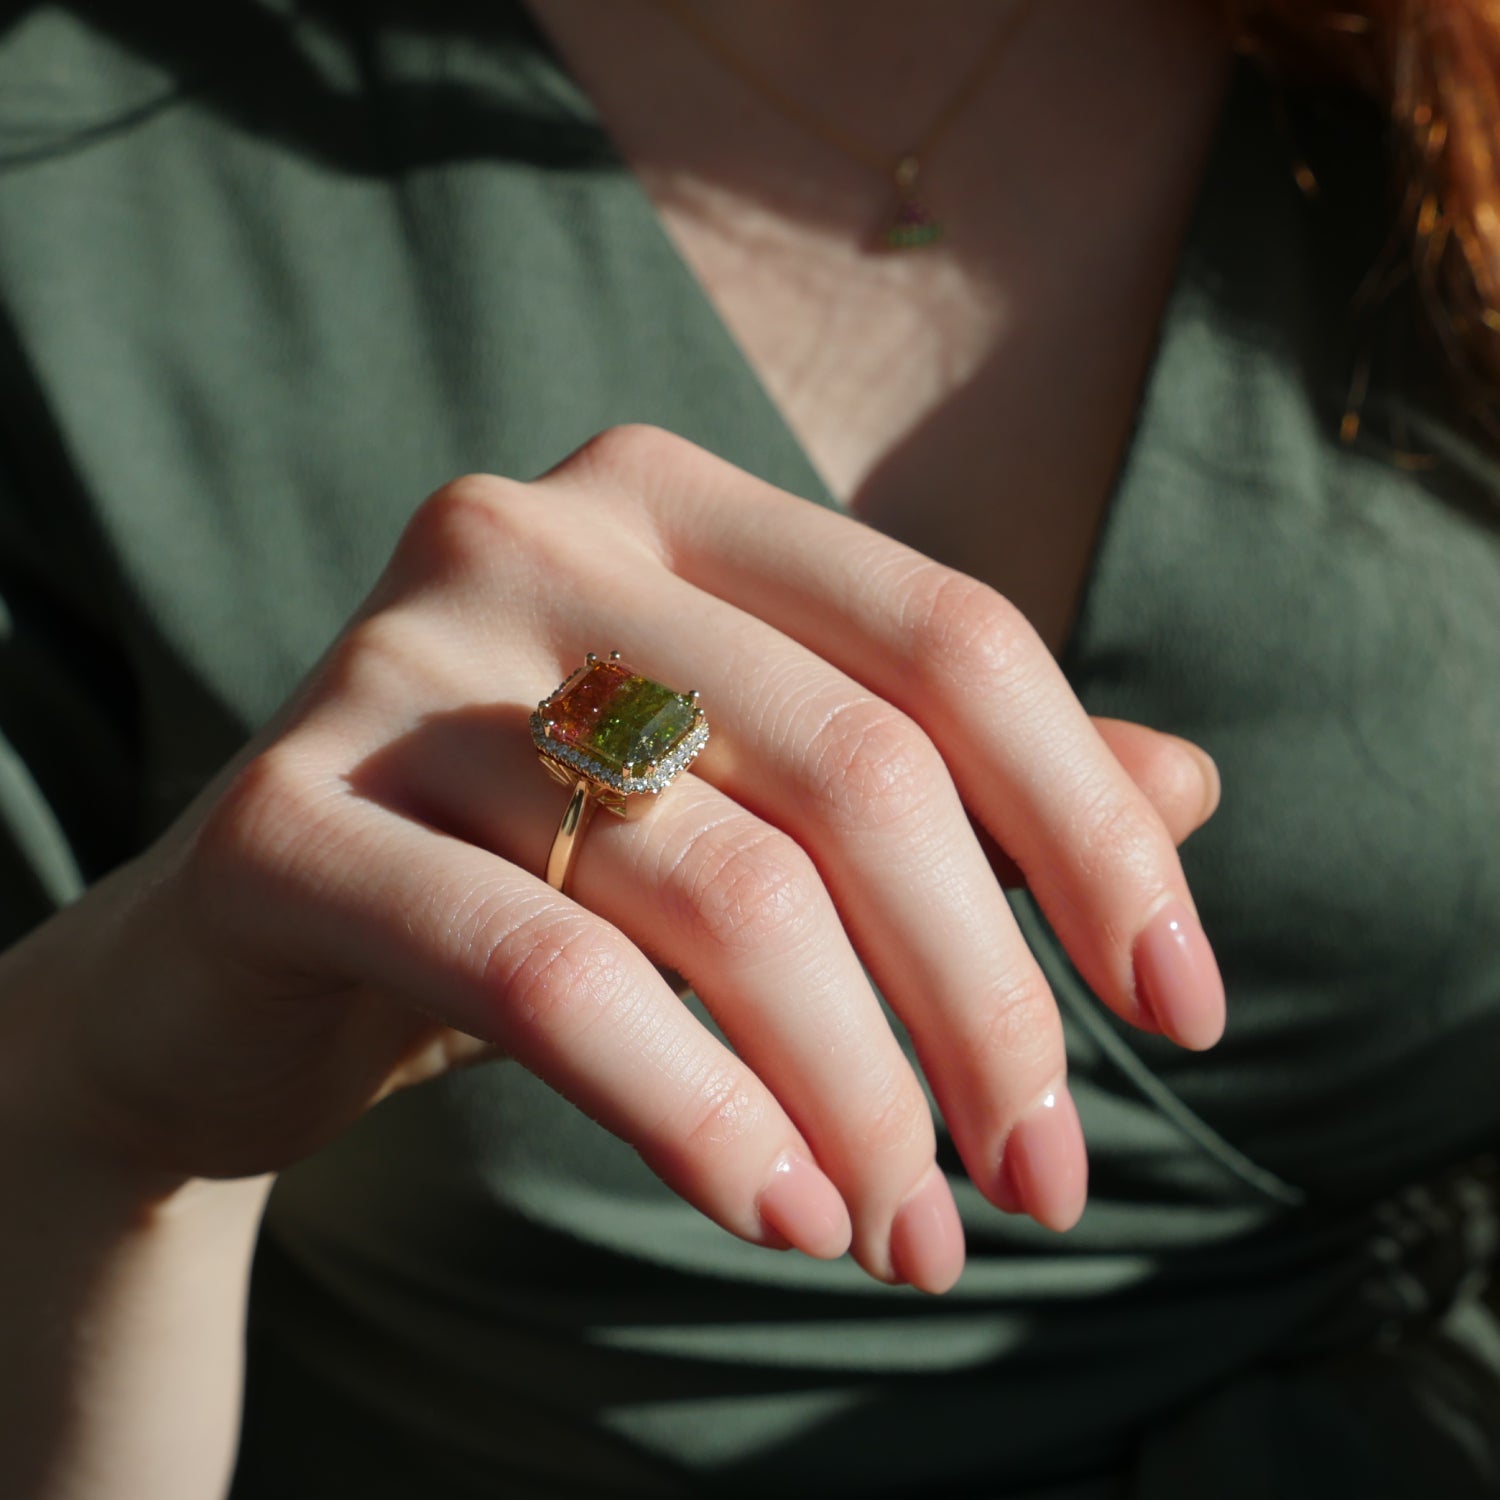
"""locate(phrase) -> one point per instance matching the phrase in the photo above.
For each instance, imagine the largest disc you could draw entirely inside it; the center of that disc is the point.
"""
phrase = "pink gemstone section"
(578, 711)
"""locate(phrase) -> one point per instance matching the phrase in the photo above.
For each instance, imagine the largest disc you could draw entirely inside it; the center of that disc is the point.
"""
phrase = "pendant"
(912, 226)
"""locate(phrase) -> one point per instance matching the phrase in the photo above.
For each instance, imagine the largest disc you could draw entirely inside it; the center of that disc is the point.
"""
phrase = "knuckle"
(499, 542)
(1122, 836)
(461, 525)
(960, 630)
(555, 972)
(869, 766)
(272, 811)
(1019, 1032)
(380, 658)
(629, 453)
(897, 1122)
(751, 893)
(724, 1111)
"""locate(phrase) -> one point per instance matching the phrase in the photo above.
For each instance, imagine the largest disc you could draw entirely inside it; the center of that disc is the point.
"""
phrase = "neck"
(883, 69)
(1078, 84)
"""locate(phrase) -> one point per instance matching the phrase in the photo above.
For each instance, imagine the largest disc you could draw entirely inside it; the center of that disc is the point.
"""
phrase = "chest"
(981, 421)
(972, 398)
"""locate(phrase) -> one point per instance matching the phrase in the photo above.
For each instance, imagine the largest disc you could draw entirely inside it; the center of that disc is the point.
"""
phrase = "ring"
(608, 733)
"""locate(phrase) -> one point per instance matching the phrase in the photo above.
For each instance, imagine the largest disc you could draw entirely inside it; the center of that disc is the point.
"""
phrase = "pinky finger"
(491, 950)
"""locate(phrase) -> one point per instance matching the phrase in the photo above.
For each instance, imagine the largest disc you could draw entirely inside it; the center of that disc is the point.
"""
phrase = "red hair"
(1434, 67)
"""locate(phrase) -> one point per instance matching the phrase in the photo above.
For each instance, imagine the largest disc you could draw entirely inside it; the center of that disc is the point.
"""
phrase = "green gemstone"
(618, 718)
(913, 236)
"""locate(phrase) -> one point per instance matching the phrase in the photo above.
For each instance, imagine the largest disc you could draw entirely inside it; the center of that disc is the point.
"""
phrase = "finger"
(367, 895)
(859, 787)
(965, 665)
(1177, 777)
(1180, 780)
(740, 910)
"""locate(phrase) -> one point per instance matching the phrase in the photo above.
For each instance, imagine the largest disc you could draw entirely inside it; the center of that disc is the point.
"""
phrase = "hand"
(357, 905)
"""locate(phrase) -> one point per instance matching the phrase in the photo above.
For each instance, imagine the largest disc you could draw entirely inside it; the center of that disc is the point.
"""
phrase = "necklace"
(909, 225)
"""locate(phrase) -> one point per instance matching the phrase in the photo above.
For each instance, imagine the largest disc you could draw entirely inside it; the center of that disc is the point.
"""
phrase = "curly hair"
(1434, 67)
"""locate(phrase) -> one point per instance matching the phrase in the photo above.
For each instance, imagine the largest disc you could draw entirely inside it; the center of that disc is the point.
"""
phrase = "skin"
(349, 909)
(973, 400)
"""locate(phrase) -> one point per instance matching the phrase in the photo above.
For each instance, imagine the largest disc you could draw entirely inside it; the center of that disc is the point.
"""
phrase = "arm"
(120, 1343)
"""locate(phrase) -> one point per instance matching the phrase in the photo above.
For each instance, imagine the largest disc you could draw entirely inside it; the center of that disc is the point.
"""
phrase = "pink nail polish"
(1044, 1166)
(927, 1239)
(802, 1206)
(1177, 978)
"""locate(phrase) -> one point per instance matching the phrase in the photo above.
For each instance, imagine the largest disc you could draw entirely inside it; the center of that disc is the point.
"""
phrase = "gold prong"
(614, 656)
(591, 658)
(548, 726)
(693, 694)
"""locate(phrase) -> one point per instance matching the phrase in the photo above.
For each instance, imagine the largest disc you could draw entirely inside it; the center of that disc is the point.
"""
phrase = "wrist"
(56, 1129)
(124, 1284)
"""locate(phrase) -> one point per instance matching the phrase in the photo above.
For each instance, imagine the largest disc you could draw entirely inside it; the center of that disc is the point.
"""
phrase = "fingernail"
(927, 1239)
(1044, 1167)
(802, 1206)
(1177, 979)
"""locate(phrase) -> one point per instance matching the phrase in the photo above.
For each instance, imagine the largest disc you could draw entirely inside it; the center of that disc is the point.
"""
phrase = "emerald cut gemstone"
(610, 724)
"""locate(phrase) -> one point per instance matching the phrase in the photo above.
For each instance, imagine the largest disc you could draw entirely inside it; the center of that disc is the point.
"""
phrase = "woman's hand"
(357, 904)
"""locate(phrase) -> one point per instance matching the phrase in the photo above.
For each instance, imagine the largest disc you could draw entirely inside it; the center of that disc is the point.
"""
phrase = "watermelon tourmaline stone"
(610, 723)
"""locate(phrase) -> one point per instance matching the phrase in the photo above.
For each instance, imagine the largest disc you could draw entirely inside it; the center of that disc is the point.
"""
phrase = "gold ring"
(608, 733)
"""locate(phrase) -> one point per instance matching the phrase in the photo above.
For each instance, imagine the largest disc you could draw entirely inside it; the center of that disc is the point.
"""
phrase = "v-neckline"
(792, 461)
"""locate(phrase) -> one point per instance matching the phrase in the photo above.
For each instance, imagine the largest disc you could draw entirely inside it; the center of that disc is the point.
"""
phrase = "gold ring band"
(574, 820)
(608, 733)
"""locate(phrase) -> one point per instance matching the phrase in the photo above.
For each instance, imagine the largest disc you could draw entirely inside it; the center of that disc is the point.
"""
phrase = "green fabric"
(268, 276)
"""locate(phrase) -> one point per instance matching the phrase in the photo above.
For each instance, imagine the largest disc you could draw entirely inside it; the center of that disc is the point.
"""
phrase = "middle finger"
(860, 788)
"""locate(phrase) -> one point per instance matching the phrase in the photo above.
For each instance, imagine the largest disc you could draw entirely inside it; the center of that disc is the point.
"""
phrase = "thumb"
(1178, 776)
(1180, 779)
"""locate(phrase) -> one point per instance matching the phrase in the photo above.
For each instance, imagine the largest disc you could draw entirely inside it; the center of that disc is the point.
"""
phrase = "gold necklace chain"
(909, 225)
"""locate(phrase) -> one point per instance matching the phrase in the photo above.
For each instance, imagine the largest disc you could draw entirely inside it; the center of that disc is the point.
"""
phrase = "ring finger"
(735, 905)
(865, 797)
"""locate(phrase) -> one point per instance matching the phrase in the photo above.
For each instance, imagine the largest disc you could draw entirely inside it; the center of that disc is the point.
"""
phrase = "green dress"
(268, 275)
